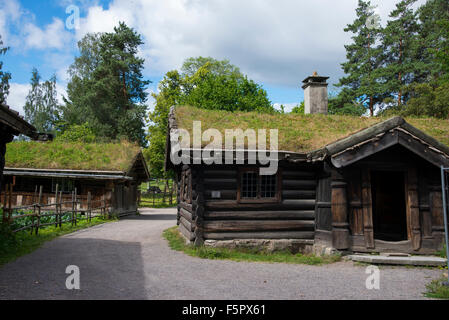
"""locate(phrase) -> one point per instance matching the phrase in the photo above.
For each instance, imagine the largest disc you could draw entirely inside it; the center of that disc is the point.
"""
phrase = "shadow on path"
(108, 270)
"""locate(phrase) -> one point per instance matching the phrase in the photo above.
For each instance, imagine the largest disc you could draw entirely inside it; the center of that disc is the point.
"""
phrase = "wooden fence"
(154, 196)
(38, 211)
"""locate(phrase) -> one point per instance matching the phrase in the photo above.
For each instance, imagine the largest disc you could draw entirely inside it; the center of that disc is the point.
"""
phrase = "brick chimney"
(315, 94)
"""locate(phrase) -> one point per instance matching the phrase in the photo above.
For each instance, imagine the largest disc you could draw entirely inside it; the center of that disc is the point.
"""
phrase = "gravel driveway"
(129, 259)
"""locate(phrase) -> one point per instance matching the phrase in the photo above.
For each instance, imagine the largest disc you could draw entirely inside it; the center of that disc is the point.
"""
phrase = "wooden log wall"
(323, 205)
(186, 212)
(293, 217)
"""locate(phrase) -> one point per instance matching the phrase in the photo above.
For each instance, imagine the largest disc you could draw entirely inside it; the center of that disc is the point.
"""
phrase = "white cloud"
(17, 96)
(19, 91)
(52, 35)
(10, 12)
(278, 42)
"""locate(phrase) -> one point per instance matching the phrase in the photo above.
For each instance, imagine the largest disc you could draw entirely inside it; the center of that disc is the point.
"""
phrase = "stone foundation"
(293, 246)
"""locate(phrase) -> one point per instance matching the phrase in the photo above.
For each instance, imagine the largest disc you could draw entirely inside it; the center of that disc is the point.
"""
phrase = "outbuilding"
(110, 172)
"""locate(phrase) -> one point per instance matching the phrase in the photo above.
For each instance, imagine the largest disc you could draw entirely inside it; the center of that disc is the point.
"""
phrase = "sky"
(277, 43)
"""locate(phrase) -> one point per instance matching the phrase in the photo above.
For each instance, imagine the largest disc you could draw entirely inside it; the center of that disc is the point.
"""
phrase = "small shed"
(111, 172)
(343, 183)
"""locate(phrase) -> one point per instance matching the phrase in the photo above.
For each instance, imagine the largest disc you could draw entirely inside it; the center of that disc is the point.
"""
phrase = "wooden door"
(367, 208)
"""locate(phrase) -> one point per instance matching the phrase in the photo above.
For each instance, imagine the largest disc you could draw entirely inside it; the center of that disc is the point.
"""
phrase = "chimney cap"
(315, 79)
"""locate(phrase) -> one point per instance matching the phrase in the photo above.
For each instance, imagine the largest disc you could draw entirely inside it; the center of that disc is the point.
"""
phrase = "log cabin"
(110, 172)
(343, 184)
(11, 125)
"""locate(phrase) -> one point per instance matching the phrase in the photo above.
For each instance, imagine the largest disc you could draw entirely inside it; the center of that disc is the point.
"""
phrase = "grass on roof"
(298, 133)
(74, 156)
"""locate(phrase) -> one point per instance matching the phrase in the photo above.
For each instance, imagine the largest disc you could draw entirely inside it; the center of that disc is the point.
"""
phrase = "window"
(258, 188)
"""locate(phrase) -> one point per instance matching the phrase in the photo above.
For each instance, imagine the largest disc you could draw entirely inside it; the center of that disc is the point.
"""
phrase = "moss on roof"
(73, 156)
(299, 133)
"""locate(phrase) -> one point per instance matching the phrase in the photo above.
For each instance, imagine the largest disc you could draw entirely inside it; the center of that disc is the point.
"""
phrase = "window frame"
(259, 199)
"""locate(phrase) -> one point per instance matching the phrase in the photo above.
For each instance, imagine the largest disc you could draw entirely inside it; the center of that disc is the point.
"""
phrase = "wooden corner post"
(197, 194)
(340, 225)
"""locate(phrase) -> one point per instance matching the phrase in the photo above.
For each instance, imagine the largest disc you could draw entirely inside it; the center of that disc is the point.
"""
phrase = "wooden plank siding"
(290, 217)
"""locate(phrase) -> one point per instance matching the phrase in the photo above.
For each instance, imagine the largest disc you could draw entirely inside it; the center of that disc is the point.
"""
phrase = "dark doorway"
(389, 208)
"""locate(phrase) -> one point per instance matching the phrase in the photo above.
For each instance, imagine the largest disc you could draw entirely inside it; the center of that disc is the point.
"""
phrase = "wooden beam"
(259, 235)
(258, 225)
(261, 215)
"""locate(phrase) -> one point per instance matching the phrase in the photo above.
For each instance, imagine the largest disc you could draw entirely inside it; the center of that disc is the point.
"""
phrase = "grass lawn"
(437, 290)
(14, 246)
(177, 242)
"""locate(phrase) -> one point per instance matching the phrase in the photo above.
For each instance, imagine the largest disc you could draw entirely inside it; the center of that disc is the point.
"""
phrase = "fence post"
(171, 193)
(34, 210)
(165, 191)
(73, 208)
(5, 203)
(89, 206)
(76, 207)
(10, 204)
(39, 209)
(60, 209)
(56, 205)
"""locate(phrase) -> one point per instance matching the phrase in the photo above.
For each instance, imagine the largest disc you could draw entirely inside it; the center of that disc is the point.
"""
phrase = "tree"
(4, 76)
(169, 95)
(363, 60)
(299, 109)
(342, 104)
(225, 92)
(107, 90)
(433, 16)
(204, 83)
(400, 50)
(217, 67)
(41, 103)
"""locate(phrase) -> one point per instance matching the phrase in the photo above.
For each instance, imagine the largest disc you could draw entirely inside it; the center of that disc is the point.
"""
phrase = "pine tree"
(401, 62)
(361, 83)
(107, 90)
(433, 15)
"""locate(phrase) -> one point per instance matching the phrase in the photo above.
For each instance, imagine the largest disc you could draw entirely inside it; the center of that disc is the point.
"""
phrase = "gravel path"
(129, 259)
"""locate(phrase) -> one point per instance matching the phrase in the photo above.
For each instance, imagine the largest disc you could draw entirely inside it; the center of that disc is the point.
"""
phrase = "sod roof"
(299, 133)
(71, 156)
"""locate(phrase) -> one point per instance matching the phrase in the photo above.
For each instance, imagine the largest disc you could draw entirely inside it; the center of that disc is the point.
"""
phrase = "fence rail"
(158, 193)
(38, 210)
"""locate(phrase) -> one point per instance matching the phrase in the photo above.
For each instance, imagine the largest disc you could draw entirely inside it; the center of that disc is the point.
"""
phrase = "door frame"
(411, 204)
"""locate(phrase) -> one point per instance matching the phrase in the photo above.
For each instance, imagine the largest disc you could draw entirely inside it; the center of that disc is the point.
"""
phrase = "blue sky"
(276, 42)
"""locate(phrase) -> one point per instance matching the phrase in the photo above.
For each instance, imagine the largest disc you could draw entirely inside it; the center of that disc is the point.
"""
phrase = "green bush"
(78, 133)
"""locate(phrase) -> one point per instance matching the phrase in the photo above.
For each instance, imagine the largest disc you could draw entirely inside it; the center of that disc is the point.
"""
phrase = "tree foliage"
(401, 68)
(4, 76)
(204, 83)
(106, 89)
(363, 61)
(41, 104)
